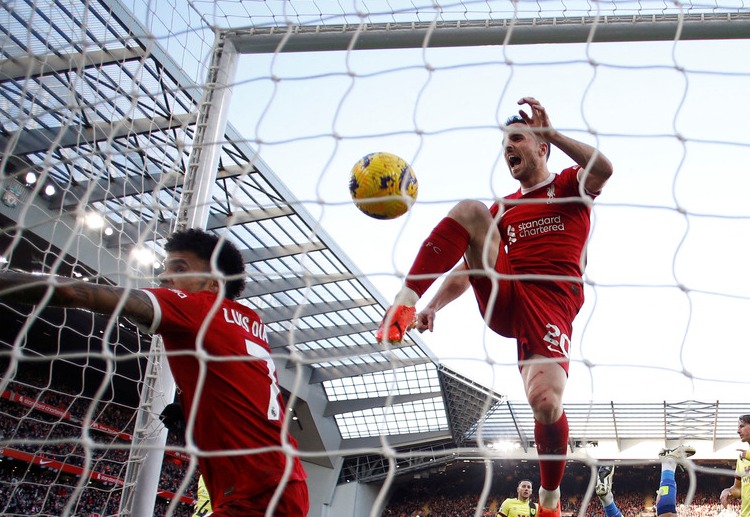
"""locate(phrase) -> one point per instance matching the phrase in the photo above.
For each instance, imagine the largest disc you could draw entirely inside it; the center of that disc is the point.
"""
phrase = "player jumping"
(541, 229)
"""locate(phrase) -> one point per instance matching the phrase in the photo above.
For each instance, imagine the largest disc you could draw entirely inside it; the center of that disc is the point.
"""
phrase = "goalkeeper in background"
(541, 229)
(666, 496)
(521, 505)
(234, 403)
(741, 487)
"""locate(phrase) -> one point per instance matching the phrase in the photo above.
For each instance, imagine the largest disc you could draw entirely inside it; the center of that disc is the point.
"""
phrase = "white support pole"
(209, 136)
(150, 437)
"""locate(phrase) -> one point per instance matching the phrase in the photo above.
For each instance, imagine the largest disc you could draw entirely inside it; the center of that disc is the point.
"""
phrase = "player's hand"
(426, 320)
(539, 120)
(724, 497)
(743, 454)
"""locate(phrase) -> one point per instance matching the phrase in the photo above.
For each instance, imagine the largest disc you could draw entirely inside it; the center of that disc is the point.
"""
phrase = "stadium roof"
(96, 106)
(111, 124)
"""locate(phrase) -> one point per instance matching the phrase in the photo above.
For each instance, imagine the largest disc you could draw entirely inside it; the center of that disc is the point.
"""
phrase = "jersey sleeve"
(151, 328)
(576, 173)
(175, 312)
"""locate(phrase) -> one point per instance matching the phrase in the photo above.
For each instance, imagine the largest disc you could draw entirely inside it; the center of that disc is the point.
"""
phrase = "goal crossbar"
(370, 36)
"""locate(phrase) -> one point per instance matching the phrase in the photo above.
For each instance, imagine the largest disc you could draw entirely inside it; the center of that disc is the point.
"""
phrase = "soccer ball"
(383, 185)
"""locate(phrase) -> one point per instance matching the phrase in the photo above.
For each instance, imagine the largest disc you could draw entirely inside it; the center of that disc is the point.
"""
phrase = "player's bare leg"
(481, 254)
(544, 382)
(467, 231)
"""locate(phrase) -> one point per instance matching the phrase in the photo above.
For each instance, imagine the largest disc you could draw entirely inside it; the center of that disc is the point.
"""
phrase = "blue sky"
(669, 290)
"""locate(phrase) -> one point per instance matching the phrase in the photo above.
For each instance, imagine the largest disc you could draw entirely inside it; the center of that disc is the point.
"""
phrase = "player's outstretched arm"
(65, 292)
(598, 167)
(454, 285)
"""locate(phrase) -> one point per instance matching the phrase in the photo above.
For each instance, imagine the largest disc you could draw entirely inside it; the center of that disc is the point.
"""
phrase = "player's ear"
(544, 149)
(214, 286)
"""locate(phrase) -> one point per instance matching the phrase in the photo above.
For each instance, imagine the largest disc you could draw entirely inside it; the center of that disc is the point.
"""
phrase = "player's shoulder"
(568, 175)
(196, 301)
(169, 293)
(568, 181)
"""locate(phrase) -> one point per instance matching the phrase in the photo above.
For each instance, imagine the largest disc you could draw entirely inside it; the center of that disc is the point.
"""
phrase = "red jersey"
(239, 402)
(546, 229)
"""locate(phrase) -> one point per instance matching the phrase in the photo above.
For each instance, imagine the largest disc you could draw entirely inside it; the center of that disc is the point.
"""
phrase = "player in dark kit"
(234, 402)
(539, 230)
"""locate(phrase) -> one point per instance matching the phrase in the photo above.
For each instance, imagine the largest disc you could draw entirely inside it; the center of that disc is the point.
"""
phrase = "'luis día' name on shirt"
(257, 329)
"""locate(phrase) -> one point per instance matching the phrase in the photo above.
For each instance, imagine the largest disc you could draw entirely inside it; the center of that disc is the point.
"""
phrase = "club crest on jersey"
(550, 193)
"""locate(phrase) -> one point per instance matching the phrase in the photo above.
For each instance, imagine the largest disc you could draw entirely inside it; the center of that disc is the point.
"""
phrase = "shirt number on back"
(255, 350)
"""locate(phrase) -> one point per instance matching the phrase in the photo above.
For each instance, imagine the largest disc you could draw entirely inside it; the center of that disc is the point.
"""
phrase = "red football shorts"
(295, 502)
(539, 314)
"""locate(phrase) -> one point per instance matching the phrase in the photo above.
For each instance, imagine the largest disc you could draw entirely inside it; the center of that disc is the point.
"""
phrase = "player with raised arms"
(541, 229)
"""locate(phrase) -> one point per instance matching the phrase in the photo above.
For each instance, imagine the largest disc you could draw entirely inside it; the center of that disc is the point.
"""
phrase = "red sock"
(551, 439)
(439, 253)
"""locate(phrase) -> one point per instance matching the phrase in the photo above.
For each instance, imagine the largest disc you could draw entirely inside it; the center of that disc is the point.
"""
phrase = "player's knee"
(468, 211)
(547, 407)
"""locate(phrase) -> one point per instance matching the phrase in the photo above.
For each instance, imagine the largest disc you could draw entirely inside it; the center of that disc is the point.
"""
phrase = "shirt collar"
(547, 181)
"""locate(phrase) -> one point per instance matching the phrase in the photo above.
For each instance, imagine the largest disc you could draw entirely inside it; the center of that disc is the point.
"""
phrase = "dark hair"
(524, 481)
(229, 260)
(745, 419)
(517, 119)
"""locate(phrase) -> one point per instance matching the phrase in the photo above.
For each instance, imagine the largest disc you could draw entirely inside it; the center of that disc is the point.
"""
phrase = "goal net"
(123, 121)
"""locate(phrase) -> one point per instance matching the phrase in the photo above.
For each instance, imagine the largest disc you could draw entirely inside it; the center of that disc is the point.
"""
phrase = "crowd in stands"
(32, 489)
(35, 386)
(457, 493)
(631, 505)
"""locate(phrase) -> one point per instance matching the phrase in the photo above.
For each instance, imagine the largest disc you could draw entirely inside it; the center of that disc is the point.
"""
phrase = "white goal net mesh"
(101, 107)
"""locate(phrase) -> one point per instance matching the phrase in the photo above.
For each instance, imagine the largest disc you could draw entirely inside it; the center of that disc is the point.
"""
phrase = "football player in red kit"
(220, 358)
(523, 258)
